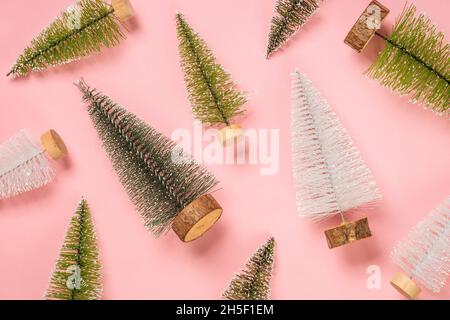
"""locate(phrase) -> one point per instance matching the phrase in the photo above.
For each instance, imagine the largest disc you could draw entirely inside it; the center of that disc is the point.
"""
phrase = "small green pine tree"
(77, 271)
(158, 177)
(415, 61)
(253, 283)
(292, 14)
(211, 91)
(88, 26)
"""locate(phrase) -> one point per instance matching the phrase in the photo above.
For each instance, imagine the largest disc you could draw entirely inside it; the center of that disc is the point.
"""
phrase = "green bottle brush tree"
(84, 28)
(77, 272)
(211, 91)
(168, 188)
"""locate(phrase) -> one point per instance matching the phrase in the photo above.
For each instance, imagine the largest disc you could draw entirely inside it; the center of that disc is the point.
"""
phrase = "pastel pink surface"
(405, 146)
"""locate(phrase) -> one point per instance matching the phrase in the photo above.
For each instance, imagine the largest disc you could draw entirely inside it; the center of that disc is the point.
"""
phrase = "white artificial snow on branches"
(425, 254)
(330, 175)
(23, 166)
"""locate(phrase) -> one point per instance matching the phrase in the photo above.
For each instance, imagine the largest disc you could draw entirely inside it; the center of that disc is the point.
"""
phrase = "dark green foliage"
(211, 91)
(416, 61)
(156, 174)
(66, 40)
(253, 283)
(79, 250)
(292, 14)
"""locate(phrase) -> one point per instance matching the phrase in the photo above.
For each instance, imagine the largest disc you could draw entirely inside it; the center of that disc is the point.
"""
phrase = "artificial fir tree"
(211, 91)
(415, 60)
(291, 15)
(23, 162)
(86, 27)
(253, 282)
(330, 175)
(168, 188)
(77, 272)
(425, 254)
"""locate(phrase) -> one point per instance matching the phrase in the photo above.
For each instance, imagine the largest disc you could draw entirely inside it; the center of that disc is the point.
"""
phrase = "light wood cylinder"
(360, 34)
(123, 9)
(348, 232)
(197, 218)
(231, 134)
(405, 285)
(53, 144)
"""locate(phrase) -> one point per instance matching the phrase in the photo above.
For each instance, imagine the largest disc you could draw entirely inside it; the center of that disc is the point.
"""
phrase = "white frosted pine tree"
(424, 255)
(329, 173)
(24, 165)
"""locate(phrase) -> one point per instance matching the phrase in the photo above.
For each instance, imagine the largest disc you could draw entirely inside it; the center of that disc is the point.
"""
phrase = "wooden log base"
(197, 218)
(405, 285)
(363, 30)
(348, 232)
(123, 9)
(53, 144)
(231, 134)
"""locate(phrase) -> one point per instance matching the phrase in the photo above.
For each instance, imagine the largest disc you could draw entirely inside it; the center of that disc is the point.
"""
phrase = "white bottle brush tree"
(84, 28)
(329, 172)
(24, 164)
(424, 255)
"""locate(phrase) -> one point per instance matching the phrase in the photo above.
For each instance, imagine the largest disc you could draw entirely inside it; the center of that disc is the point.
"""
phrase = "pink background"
(405, 146)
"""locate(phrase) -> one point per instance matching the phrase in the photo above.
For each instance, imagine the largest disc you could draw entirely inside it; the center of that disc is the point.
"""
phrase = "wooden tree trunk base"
(363, 30)
(53, 144)
(405, 285)
(231, 135)
(123, 9)
(348, 232)
(197, 218)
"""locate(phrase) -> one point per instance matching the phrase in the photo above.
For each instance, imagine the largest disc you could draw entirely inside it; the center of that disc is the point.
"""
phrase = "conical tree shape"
(159, 178)
(329, 172)
(85, 28)
(415, 61)
(291, 15)
(77, 272)
(211, 90)
(424, 254)
(253, 282)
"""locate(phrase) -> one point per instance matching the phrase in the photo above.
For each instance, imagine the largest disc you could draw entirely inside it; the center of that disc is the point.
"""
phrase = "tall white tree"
(329, 172)
(23, 162)
(424, 255)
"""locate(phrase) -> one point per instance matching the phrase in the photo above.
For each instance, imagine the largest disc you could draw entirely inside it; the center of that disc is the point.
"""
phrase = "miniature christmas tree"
(211, 91)
(253, 283)
(77, 271)
(415, 60)
(24, 165)
(83, 29)
(292, 14)
(330, 175)
(425, 254)
(168, 188)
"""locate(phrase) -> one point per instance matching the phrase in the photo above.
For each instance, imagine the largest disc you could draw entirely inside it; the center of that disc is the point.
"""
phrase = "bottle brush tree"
(425, 254)
(77, 272)
(415, 60)
(24, 164)
(168, 188)
(329, 173)
(291, 15)
(211, 91)
(84, 28)
(253, 282)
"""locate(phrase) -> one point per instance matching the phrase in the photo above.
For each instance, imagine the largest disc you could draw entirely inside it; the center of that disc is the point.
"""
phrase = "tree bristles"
(211, 91)
(88, 26)
(77, 272)
(253, 282)
(415, 61)
(291, 15)
(158, 176)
